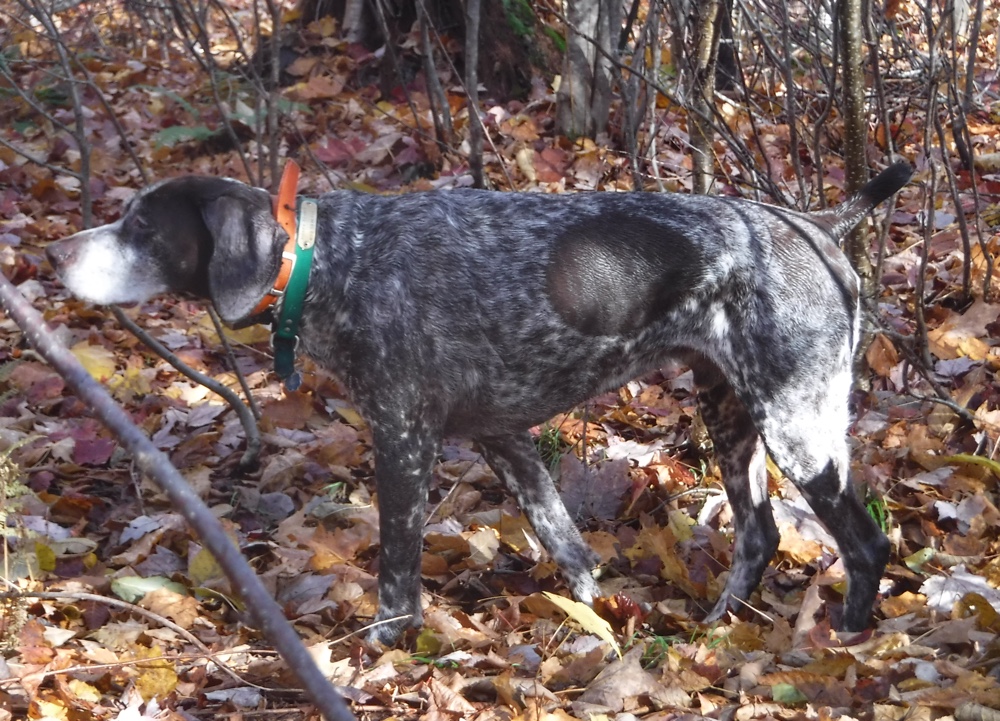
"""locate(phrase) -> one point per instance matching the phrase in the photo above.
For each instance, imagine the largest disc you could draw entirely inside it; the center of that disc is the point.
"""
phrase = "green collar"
(285, 328)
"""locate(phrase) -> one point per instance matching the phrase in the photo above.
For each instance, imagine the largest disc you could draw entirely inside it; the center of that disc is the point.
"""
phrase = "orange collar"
(284, 213)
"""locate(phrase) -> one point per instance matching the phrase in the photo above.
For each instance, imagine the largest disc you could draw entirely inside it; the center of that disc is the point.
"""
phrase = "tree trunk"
(472, 91)
(584, 98)
(700, 125)
(855, 126)
(855, 161)
(354, 20)
(726, 67)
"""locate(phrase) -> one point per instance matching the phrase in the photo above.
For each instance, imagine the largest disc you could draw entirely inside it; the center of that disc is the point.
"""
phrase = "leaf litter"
(633, 465)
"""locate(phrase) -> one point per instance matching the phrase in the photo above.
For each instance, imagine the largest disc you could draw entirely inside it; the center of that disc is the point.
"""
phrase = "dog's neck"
(285, 335)
(298, 217)
(285, 213)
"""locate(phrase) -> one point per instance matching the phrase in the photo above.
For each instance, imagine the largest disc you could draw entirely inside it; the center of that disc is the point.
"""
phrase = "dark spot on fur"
(614, 275)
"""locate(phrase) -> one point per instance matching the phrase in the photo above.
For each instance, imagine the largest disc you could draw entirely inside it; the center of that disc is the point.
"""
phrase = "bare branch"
(247, 418)
(266, 612)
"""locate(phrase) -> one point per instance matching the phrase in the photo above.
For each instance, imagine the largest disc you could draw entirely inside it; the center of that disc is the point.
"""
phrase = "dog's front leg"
(515, 460)
(405, 452)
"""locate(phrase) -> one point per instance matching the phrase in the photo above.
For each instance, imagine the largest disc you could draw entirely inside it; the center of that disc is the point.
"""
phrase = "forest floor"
(634, 466)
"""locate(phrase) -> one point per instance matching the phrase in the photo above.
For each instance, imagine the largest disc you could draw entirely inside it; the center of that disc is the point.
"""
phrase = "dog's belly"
(501, 399)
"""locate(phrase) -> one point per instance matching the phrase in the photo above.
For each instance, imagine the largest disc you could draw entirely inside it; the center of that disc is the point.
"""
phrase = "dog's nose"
(61, 252)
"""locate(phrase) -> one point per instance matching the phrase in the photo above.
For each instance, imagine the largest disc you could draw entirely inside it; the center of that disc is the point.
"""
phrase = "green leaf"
(787, 694)
(182, 133)
(556, 37)
(133, 588)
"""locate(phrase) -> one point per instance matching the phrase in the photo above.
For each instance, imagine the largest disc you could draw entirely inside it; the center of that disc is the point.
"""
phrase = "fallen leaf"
(133, 588)
(588, 620)
(620, 684)
(960, 335)
(98, 361)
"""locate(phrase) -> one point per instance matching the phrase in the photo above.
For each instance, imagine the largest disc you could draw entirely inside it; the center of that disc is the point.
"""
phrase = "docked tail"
(844, 217)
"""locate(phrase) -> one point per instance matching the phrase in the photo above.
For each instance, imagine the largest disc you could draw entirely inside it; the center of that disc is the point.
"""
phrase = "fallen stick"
(265, 610)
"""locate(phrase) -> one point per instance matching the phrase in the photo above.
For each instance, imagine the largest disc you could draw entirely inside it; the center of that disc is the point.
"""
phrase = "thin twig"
(476, 129)
(443, 127)
(251, 401)
(247, 418)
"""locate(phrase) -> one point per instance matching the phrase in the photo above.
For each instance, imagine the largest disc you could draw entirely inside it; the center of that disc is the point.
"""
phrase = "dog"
(482, 314)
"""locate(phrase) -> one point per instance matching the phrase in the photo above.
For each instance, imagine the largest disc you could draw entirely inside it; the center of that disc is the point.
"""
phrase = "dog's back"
(513, 307)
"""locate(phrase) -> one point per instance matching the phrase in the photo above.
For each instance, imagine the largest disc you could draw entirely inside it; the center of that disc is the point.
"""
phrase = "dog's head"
(211, 237)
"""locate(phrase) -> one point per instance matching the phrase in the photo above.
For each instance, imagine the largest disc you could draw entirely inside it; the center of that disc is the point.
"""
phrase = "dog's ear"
(247, 251)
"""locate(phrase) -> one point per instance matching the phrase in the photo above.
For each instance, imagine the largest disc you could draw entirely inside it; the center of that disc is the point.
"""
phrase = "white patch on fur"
(836, 419)
(825, 442)
(758, 476)
(720, 322)
(105, 271)
(724, 264)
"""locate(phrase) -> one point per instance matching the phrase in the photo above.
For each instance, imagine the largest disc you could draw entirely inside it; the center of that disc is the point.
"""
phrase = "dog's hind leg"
(740, 453)
(516, 461)
(804, 429)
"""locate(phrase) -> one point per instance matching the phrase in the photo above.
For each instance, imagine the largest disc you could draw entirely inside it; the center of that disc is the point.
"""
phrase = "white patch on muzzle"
(105, 271)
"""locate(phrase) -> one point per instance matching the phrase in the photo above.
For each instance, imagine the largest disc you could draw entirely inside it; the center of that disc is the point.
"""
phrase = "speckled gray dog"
(483, 314)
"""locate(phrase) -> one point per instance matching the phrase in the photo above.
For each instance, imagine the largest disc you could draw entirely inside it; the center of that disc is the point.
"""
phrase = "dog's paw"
(723, 606)
(388, 627)
(585, 589)
(855, 618)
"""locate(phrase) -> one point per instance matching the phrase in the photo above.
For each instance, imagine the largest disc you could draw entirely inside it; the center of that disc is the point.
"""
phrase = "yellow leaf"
(46, 557)
(351, 416)
(246, 336)
(661, 542)
(158, 679)
(133, 381)
(588, 620)
(525, 158)
(907, 602)
(681, 524)
(324, 27)
(51, 709)
(428, 643)
(96, 359)
(84, 691)
(801, 550)
(203, 568)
